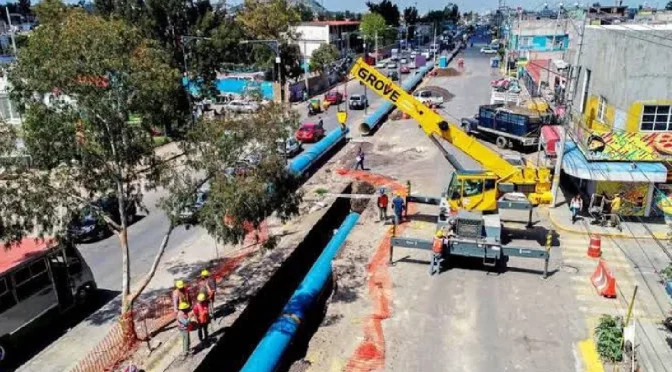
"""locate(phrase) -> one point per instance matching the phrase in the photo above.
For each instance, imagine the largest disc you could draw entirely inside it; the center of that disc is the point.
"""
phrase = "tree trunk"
(127, 321)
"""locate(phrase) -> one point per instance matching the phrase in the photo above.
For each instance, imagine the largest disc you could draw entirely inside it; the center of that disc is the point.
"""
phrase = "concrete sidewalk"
(561, 218)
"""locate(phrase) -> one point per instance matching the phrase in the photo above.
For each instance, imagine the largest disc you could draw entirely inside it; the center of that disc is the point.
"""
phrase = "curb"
(162, 357)
(574, 230)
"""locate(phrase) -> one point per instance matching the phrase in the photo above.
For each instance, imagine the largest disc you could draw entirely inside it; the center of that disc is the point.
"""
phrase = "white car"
(381, 64)
(241, 106)
(426, 97)
(488, 50)
(403, 61)
(391, 65)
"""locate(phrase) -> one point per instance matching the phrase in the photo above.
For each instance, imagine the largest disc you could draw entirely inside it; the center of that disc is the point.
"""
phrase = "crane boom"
(433, 124)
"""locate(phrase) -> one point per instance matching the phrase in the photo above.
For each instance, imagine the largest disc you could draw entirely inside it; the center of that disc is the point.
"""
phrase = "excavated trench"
(239, 340)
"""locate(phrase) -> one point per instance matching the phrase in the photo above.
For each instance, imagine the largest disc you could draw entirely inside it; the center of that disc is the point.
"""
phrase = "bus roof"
(18, 253)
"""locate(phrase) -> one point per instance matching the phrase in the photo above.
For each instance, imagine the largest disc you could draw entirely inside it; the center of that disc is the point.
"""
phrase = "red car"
(310, 132)
(333, 97)
(404, 69)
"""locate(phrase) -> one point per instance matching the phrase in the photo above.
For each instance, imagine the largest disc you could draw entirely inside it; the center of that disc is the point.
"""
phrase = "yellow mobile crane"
(473, 198)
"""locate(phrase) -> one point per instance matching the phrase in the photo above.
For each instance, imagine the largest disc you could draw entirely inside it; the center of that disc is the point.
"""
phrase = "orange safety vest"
(202, 313)
(437, 246)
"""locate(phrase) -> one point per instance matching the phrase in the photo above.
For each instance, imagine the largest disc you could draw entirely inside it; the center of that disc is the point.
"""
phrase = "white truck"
(428, 98)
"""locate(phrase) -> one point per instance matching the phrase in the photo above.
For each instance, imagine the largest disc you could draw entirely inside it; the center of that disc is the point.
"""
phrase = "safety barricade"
(604, 281)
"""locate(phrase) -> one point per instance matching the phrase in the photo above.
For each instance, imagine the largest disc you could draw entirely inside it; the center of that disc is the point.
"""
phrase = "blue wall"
(542, 43)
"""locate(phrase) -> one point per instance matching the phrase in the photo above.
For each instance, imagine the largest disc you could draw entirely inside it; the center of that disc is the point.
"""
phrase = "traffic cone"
(595, 246)
(604, 281)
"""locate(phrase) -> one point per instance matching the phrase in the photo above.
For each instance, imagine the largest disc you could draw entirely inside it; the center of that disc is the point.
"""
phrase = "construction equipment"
(473, 198)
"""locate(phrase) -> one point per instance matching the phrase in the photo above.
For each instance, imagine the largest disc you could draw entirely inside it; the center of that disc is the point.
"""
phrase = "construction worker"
(184, 324)
(437, 252)
(180, 294)
(398, 207)
(202, 315)
(382, 205)
(208, 286)
(616, 210)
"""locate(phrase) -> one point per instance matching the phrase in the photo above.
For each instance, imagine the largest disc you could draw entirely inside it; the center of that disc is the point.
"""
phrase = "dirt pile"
(450, 71)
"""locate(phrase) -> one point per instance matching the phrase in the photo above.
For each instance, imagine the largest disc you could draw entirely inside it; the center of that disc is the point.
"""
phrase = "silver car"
(241, 106)
(289, 147)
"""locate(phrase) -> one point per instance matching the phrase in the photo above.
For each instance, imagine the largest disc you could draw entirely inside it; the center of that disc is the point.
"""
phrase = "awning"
(550, 136)
(575, 164)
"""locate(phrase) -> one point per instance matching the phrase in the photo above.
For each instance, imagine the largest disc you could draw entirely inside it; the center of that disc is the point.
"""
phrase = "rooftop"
(20, 252)
(330, 23)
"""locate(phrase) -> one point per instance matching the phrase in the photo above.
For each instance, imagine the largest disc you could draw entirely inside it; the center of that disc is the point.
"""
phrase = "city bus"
(39, 280)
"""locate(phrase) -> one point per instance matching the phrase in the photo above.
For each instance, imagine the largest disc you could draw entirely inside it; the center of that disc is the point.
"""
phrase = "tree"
(323, 57)
(668, 6)
(305, 13)
(24, 7)
(96, 72)
(77, 83)
(387, 9)
(373, 24)
(268, 19)
(410, 20)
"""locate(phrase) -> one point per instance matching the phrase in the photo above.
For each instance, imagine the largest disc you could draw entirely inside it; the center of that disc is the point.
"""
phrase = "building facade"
(621, 136)
(313, 34)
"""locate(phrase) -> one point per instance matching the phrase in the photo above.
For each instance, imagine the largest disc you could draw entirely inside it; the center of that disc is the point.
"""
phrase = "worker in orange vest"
(208, 286)
(202, 314)
(437, 253)
(180, 295)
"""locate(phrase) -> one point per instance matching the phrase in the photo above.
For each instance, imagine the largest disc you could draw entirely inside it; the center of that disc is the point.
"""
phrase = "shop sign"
(625, 146)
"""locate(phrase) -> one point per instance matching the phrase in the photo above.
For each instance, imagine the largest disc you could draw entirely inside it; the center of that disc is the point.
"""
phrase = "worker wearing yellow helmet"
(180, 295)
(184, 320)
(437, 251)
(208, 286)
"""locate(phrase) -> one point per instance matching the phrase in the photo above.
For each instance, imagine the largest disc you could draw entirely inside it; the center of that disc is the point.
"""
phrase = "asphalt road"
(467, 319)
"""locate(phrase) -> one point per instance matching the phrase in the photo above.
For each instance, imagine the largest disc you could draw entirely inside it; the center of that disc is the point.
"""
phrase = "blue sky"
(465, 5)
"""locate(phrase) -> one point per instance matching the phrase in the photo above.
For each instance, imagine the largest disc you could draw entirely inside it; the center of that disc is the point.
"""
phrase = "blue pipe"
(270, 350)
(373, 120)
(304, 161)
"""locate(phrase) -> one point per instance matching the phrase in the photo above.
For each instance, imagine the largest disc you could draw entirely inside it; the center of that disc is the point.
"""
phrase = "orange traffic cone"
(595, 247)
(604, 281)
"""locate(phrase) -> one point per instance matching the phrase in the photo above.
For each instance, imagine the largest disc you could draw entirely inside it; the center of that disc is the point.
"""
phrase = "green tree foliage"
(305, 13)
(668, 6)
(24, 7)
(387, 9)
(372, 24)
(78, 80)
(410, 20)
(323, 57)
(609, 338)
(268, 19)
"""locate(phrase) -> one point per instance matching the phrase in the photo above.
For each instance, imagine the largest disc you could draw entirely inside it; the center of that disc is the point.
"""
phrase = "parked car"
(289, 147)
(189, 215)
(393, 75)
(426, 97)
(88, 225)
(333, 97)
(381, 64)
(404, 69)
(391, 66)
(310, 132)
(488, 50)
(403, 61)
(240, 106)
(358, 102)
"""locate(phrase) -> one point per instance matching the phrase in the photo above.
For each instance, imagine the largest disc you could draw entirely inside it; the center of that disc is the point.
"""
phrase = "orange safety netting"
(151, 315)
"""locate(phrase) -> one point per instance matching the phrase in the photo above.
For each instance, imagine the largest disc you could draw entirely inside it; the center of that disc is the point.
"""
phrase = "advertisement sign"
(625, 146)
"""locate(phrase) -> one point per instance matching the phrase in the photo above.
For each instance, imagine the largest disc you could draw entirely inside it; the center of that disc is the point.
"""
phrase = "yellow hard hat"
(179, 284)
(183, 306)
(439, 234)
(201, 297)
(205, 272)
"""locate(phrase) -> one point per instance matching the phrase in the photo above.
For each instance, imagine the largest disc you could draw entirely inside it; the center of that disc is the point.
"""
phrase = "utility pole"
(555, 31)
(376, 46)
(433, 44)
(366, 105)
(11, 31)
(568, 112)
(306, 69)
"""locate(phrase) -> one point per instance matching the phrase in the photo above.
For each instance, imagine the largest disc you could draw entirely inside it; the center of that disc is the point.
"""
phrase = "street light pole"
(275, 46)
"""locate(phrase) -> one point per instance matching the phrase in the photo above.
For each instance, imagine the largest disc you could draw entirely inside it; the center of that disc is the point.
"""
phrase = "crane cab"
(473, 191)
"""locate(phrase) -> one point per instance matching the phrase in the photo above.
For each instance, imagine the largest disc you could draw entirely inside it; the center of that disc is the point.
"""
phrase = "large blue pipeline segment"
(304, 161)
(268, 353)
(373, 120)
